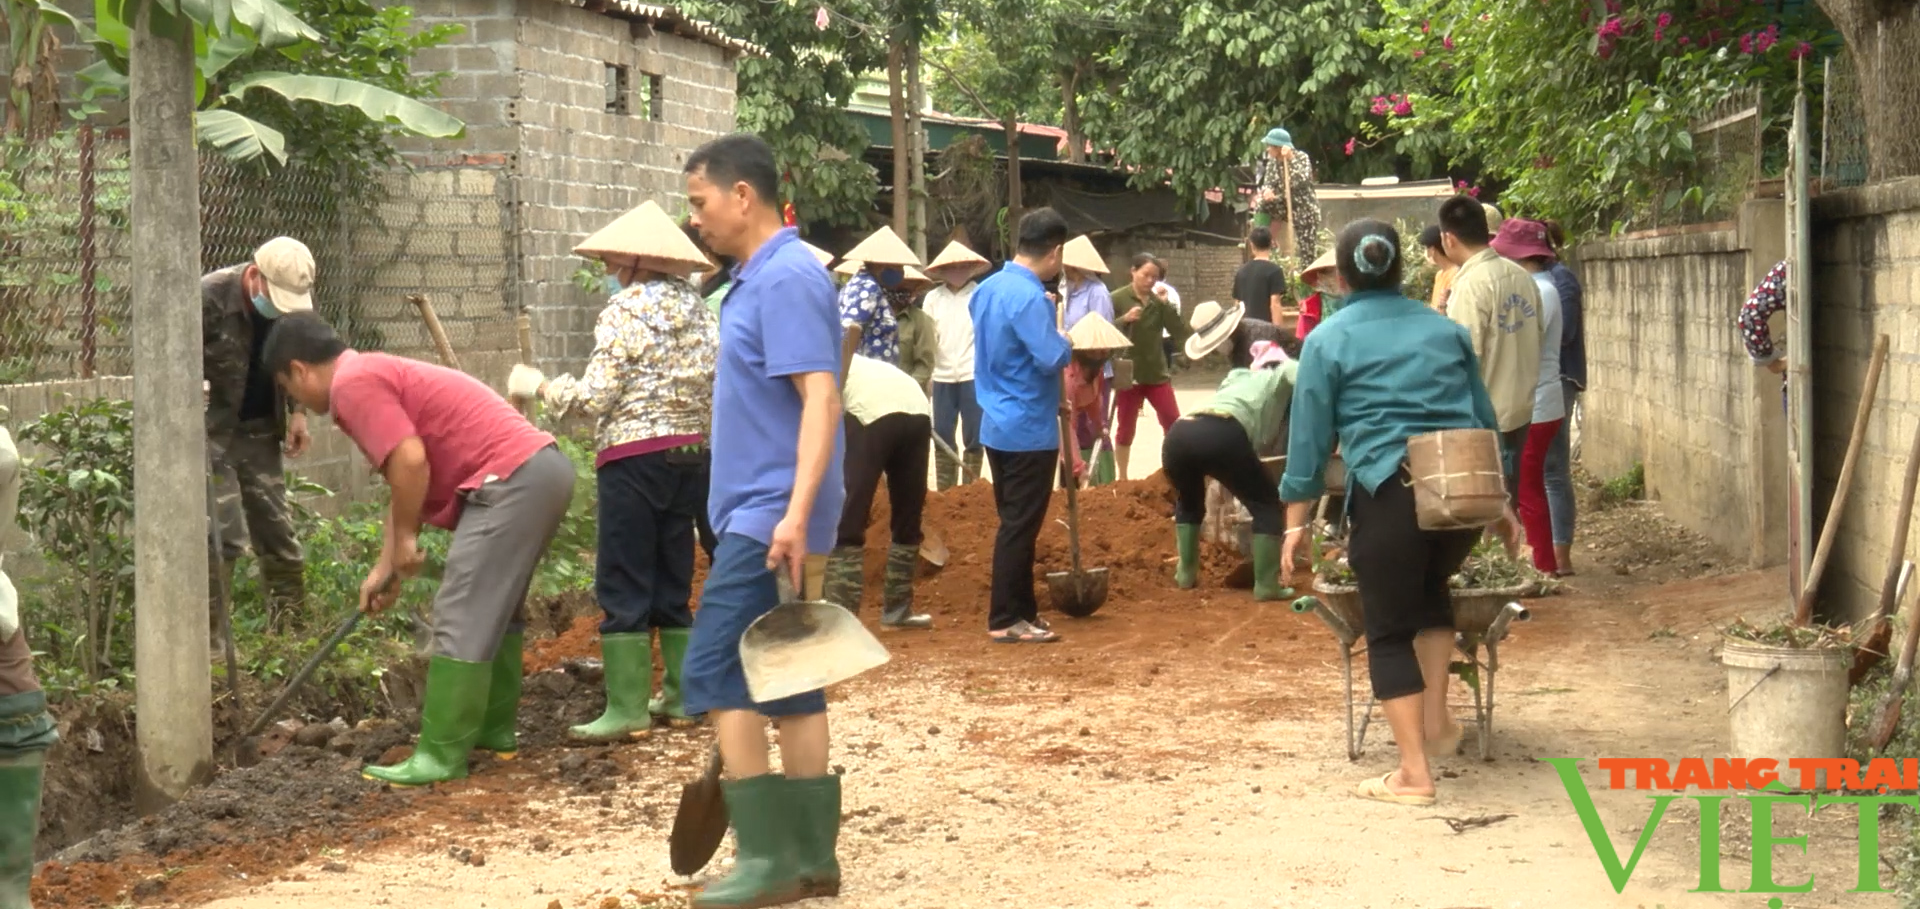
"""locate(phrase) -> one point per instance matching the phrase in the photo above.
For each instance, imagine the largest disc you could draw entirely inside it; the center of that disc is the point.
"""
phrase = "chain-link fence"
(65, 252)
(1843, 126)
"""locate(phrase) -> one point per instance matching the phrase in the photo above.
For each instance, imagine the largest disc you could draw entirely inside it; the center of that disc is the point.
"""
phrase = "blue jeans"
(953, 402)
(1560, 473)
(739, 589)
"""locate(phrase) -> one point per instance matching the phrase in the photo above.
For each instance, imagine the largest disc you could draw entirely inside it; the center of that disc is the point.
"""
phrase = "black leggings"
(1206, 445)
(1403, 573)
(895, 445)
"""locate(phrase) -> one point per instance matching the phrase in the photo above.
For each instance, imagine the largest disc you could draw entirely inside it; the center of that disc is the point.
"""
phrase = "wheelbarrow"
(1481, 619)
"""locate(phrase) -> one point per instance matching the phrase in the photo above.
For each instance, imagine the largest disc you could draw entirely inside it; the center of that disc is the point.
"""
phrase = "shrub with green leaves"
(76, 497)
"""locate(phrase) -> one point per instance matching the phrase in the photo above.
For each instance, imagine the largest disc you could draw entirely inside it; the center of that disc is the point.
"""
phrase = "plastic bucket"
(1786, 702)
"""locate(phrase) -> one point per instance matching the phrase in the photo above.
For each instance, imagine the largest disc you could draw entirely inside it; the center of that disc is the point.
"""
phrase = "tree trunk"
(1070, 118)
(1884, 38)
(917, 162)
(1014, 209)
(897, 100)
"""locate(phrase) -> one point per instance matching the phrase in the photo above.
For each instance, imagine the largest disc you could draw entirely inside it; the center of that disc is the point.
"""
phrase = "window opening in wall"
(618, 89)
(652, 100)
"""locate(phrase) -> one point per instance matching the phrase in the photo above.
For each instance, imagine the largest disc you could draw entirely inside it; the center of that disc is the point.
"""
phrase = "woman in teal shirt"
(1380, 371)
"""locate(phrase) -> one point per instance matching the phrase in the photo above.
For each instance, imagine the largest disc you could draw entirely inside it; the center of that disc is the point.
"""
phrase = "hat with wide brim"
(849, 267)
(826, 258)
(1520, 238)
(1494, 217)
(646, 237)
(1278, 138)
(1094, 332)
(1080, 255)
(1310, 275)
(958, 258)
(884, 247)
(914, 279)
(1212, 325)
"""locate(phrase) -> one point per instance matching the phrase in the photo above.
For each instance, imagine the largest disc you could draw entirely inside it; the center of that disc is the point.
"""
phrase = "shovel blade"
(1078, 593)
(700, 823)
(805, 646)
(1241, 577)
(933, 554)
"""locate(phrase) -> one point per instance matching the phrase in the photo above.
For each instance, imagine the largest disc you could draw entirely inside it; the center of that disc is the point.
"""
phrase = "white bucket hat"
(1212, 324)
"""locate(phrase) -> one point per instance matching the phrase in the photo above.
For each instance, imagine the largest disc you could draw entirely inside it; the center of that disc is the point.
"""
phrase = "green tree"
(1585, 115)
(795, 97)
(1882, 34)
(1198, 84)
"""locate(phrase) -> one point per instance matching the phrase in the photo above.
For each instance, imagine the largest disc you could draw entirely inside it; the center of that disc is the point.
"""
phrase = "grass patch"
(1628, 487)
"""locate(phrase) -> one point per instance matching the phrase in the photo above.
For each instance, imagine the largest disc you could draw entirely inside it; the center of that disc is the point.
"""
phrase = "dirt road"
(1178, 750)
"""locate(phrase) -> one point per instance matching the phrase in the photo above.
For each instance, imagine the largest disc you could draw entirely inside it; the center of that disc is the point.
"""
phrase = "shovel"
(1080, 592)
(806, 644)
(947, 449)
(1886, 720)
(933, 553)
(701, 822)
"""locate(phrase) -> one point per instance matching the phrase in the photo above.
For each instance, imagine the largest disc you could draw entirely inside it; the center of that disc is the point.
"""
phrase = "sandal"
(1022, 633)
(1041, 624)
(1380, 791)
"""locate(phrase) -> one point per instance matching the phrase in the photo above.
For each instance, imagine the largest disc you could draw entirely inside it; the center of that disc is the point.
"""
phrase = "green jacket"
(1156, 315)
(1259, 402)
(919, 344)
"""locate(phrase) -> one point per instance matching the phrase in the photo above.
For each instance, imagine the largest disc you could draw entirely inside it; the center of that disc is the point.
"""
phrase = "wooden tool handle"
(813, 577)
(523, 326)
(435, 330)
(1803, 608)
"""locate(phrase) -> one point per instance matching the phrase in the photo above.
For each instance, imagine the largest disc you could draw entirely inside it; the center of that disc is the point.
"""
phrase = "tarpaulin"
(1089, 212)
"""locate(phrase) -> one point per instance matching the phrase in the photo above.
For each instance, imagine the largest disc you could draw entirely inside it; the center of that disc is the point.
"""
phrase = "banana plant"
(29, 62)
(227, 30)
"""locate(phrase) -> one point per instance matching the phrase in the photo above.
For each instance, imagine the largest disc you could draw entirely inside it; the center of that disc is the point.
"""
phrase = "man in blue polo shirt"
(1019, 352)
(775, 497)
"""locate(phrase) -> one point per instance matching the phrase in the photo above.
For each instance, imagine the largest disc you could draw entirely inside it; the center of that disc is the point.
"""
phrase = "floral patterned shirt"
(651, 373)
(1768, 298)
(1306, 205)
(863, 305)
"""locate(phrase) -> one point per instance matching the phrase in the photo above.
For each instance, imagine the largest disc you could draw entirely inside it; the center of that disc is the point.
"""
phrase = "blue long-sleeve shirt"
(1018, 352)
(1083, 299)
(1573, 328)
(1380, 371)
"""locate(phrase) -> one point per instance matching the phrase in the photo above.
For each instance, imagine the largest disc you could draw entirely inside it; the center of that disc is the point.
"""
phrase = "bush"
(1625, 488)
(76, 496)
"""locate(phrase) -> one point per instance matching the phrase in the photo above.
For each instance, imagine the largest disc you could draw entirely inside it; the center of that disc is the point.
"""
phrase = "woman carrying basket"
(1378, 373)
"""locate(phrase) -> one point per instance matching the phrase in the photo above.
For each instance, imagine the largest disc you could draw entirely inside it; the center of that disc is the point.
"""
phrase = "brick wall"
(1670, 385)
(1199, 271)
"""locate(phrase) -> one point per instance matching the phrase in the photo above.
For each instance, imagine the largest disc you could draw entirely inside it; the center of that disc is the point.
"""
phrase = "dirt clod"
(334, 867)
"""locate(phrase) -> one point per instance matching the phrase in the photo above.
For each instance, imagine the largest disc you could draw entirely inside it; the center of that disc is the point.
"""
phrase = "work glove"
(524, 382)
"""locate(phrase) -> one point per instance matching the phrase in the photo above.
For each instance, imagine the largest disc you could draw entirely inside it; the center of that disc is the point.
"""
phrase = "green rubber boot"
(673, 653)
(628, 659)
(946, 469)
(456, 703)
(897, 610)
(500, 731)
(1266, 569)
(1103, 469)
(19, 822)
(815, 810)
(764, 872)
(846, 579)
(974, 459)
(1186, 575)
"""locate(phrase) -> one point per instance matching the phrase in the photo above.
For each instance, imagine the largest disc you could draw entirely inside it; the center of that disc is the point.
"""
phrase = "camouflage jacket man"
(232, 333)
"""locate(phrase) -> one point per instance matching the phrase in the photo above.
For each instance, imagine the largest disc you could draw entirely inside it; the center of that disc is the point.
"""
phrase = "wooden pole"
(1803, 608)
(174, 694)
(917, 162)
(902, 151)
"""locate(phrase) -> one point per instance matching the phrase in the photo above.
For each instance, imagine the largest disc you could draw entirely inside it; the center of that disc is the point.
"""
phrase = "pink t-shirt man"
(471, 433)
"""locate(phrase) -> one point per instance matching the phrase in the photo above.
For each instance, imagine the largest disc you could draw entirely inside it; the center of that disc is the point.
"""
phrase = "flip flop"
(1022, 633)
(1379, 791)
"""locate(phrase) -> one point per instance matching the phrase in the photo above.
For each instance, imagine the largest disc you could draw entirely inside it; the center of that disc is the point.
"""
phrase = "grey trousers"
(504, 529)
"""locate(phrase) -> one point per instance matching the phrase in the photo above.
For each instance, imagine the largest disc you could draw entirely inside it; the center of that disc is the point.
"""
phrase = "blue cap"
(1280, 138)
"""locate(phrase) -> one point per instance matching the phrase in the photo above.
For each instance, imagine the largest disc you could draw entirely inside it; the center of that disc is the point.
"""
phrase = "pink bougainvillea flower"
(1474, 192)
(1611, 28)
(1350, 142)
(1746, 43)
(1764, 43)
(1425, 26)
(1613, 6)
(1663, 20)
(1403, 109)
(820, 19)
(1685, 41)
(1447, 42)
(1803, 49)
(1713, 37)
(1659, 34)
(1417, 54)
(1461, 185)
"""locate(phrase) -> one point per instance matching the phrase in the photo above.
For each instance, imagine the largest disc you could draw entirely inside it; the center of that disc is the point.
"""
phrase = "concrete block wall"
(1866, 282)
(1670, 386)
(581, 166)
(444, 232)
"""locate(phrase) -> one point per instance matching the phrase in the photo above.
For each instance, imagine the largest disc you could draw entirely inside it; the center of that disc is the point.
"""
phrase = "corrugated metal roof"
(670, 20)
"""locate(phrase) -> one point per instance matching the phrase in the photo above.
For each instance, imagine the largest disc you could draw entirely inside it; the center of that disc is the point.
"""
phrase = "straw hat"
(1494, 218)
(1212, 325)
(826, 258)
(883, 247)
(959, 258)
(1310, 276)
(1094, 332)
(648, 237)
(914, 279)
(849, 267)
(1080, 255)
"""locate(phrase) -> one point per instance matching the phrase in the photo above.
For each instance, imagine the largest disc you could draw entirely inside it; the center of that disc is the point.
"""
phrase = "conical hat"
(1081, 255)
(915, 278)
(884, 247)
(647, 235)
(826, 258)
(1324, 263)
(1094, 332)
(958, 257)
(849, 268)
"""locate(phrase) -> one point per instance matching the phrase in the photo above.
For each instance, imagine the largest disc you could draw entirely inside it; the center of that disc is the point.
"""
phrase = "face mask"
(891, 275)
(264, 307)
(612, 285)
